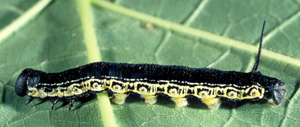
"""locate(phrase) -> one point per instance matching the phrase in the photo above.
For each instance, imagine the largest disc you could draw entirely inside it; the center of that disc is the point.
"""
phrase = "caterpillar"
(149, 80)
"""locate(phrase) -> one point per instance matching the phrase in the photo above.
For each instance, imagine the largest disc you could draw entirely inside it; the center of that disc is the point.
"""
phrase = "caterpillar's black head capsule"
(276, 92)
(28, 77)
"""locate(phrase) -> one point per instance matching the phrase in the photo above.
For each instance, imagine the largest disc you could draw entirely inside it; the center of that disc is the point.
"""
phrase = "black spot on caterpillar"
(148, 80)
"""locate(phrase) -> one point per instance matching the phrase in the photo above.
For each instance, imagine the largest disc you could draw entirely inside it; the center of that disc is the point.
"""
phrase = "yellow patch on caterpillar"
(43, 94)
(59, 93)
(34, 93)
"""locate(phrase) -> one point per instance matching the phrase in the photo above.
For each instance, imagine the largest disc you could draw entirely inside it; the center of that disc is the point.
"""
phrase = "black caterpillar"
(148, 80)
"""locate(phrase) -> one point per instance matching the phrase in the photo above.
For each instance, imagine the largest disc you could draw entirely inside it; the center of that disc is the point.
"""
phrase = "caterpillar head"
(28, 77)
(276, 92)
(277, 88)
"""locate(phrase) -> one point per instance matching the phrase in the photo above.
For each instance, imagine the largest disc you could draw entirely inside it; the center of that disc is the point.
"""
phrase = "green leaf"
(54, 41)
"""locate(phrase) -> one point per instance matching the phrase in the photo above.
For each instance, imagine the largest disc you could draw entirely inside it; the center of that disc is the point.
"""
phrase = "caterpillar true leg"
(119, 98)
(54, 101)
(180, 101)
(149, 99)
(211, 102)
(29, 100)
(71, 102)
